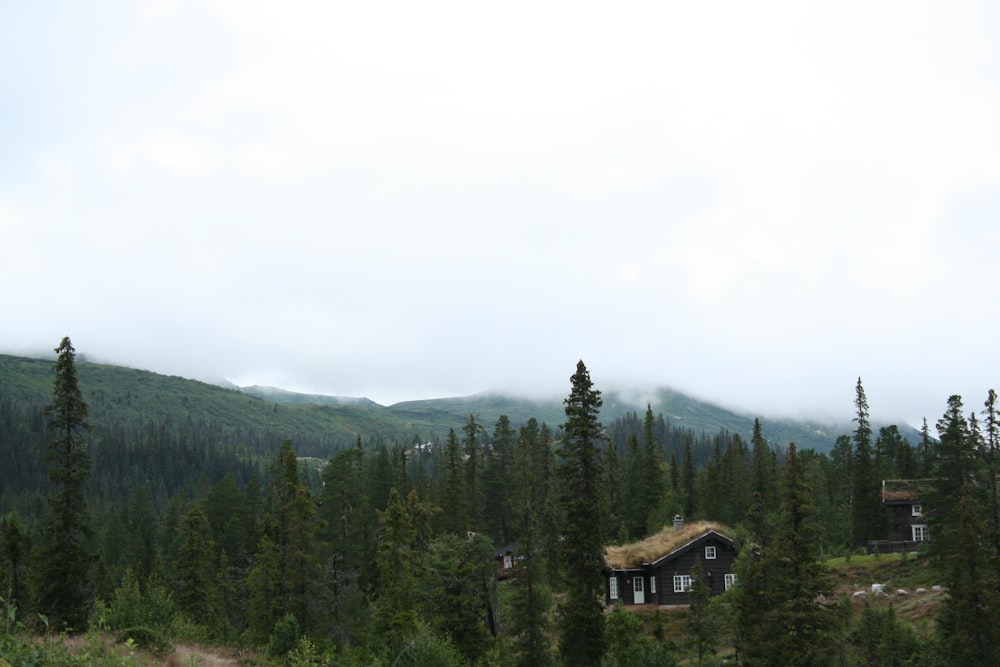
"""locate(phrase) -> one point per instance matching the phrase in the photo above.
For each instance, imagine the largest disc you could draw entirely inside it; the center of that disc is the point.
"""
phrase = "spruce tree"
(451, 495)
(66, 557)
(989, 454)
(689, 481)
(703, 622)
(632, 490)
(762, 469)
(473, 471)
(497, 481)
(15, 547)
(961, 543)
(284, 575)
(869, 515)
(780, 583)
(528, 628)
(581, 618)
(194, 579)
(652, 485)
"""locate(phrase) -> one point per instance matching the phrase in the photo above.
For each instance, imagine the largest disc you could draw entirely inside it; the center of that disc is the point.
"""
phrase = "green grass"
(861, 561)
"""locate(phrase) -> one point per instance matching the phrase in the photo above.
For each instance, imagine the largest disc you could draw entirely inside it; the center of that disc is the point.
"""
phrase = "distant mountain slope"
(259, 418)
(295, 398)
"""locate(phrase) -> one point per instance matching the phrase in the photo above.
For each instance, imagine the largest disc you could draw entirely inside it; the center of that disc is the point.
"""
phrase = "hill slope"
(260, 417)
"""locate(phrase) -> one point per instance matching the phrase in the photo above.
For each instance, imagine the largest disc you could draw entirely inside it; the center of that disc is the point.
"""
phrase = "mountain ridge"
(321, 423)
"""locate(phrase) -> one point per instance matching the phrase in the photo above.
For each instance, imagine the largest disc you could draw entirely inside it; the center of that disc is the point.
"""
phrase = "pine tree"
(473, 471)
(194, 579)
(634, 514)
(925, 452)
(652, 473)
(497, 481)
(962, 544)
(736, 480)
(614, 485)
(781, 582)
(581, 618)
(703, 625)
(397, 556)
(689, 481)
(66, 558)
(763, 481)
(452, 497)
(869, 515)
(284, 574)
(15, 547)
(530, 506)
(989, 453)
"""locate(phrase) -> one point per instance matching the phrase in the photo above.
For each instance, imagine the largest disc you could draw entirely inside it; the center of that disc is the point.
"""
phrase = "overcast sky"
(753, 202)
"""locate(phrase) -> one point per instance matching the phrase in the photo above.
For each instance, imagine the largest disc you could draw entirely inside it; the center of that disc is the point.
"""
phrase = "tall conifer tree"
(66, 555)
(530, 505)
(869, 515)
(498, 480)
(581, 618)
(781, 583)
(961, 543)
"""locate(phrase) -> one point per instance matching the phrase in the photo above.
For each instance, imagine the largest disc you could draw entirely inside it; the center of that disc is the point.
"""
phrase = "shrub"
(145, 638)
(284, 636)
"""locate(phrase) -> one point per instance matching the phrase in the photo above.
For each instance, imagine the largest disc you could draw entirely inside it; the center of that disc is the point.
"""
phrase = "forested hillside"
(195, 525)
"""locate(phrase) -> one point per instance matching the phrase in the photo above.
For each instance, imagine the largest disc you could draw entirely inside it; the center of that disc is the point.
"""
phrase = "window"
(916, 510)
(682, 582)
(613, 588)
(730, 580)
(652, 584)
(920, 533)
(709, 553)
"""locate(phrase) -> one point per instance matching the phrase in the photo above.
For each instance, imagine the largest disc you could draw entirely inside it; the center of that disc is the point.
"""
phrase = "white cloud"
(750, 200)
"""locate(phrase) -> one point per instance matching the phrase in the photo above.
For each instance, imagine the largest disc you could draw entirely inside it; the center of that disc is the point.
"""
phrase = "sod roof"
(904, 489)
(659, 545)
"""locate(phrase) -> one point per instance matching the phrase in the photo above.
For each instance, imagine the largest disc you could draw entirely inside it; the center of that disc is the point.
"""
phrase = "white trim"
(916, 510)
(652, 585)
(710, 552)
(920, 533)
(613, 587)
(682, 583)
(730, 580)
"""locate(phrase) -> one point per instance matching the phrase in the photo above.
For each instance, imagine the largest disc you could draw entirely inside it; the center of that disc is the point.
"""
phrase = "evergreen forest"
(128, 532)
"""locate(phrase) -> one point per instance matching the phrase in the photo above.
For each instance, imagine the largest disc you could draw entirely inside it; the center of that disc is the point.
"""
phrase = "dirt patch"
(185, 655)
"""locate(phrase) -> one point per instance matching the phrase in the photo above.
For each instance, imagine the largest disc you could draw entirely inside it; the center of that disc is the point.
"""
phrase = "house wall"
(683, 563)
(902, 520)
(626, 590)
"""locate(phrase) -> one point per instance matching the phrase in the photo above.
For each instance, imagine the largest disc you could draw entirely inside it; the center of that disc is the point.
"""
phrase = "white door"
(638, 590)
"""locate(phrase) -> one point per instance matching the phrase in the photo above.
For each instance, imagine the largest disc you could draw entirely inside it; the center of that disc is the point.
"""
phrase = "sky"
(755, 203)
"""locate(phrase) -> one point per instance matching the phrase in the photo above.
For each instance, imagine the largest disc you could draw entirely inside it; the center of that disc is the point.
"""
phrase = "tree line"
(387, 556)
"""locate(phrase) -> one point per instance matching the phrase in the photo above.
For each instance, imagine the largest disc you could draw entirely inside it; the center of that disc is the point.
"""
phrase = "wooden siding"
(682, 563)
(679, 562)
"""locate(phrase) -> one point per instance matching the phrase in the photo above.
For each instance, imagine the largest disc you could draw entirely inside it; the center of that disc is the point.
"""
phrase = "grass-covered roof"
(659, 544)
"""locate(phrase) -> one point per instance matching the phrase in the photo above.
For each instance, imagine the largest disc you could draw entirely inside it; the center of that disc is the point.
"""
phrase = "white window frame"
(682, 583)
(710, 553)
(916, 510)
(613, 588)
(652, 585)
(919, 532)
(730, 580)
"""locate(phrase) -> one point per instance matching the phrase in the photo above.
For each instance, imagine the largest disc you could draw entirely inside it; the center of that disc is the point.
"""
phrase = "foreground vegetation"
(385, 555)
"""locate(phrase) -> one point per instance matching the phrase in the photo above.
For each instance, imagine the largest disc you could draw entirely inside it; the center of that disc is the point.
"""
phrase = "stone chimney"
(678, 522)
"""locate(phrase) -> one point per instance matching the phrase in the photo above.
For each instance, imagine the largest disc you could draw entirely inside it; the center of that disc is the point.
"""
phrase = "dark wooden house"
(659, 570)
(508, 564)
(908, 517)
